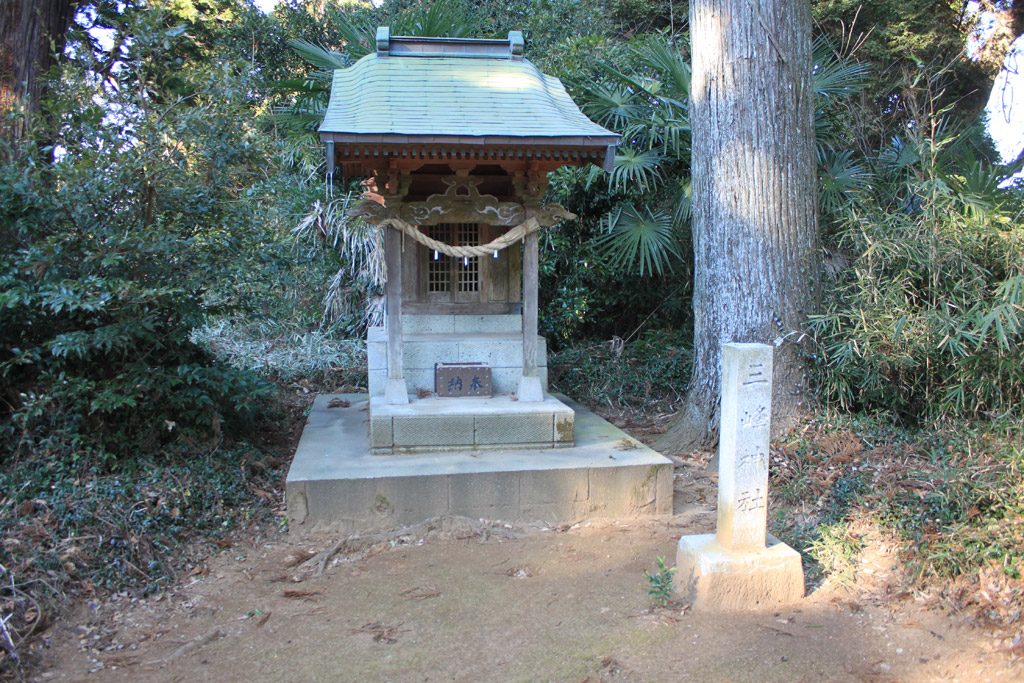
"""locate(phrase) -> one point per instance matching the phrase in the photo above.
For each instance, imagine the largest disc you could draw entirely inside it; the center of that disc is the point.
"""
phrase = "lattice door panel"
(450, 278)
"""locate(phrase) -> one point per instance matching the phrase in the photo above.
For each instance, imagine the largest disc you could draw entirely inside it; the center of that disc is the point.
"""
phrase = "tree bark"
(32, 33)
(754, 201)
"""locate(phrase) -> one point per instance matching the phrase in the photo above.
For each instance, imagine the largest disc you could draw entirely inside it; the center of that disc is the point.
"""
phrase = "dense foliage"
(947, 500)
(923, 312)
(164, 203)
(151, 197)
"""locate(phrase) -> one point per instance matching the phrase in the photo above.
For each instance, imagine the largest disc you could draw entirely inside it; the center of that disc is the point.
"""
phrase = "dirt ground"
(465, 600)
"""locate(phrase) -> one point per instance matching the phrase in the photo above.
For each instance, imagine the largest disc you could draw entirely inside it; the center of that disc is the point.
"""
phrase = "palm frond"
(318, 56)
(636, 85)
(299, 119)
(591, 176)
(834, 75)
(358, 246)
(311, 83)
(612, 106)
(683, 202)
(309, 94)
(640, 134)
(358, 34)
(899, 154)
(643, 240)
(667, 60)
(451, 19)
(978, 191)
(827, 135)
(672, 132)
(638, 170)
(839, 179)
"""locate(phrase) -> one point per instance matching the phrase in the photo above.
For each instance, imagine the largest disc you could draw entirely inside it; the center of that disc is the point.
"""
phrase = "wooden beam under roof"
(365, 157)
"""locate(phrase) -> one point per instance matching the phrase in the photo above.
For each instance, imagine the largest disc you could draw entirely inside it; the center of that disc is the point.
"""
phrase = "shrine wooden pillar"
(530, 388)
(395, 391)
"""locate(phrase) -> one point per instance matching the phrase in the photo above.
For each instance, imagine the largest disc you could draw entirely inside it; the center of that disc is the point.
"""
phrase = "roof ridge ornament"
(511, 48)
(516, 44)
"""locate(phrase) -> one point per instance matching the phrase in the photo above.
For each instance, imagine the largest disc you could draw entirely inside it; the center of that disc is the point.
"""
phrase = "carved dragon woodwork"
(460, 203)
(549, 214)
(530, 186)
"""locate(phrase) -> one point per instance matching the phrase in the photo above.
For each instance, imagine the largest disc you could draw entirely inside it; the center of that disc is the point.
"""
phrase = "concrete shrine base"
(711, 577)
(337, 485)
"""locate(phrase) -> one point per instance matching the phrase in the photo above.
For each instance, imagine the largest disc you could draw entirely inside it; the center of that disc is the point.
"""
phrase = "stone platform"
(444, 424)
(337, 485)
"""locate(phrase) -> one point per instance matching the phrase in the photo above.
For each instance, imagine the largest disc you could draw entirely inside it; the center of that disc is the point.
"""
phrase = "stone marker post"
(746, 416)
(741, 566)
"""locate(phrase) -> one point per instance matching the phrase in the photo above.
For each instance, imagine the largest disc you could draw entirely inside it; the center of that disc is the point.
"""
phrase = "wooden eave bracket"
(609, 158)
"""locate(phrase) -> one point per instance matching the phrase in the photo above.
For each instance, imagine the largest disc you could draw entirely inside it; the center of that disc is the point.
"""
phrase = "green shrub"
(125, 526)
(72, 532)
(659, 583)
(145, 223)
(961, 505)
(925, 315)
(949, 497)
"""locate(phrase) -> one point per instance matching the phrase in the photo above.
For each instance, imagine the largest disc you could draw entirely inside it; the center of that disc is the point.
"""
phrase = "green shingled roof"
(463, 96)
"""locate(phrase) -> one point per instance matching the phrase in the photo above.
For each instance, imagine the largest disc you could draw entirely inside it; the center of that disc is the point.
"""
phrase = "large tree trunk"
(31, 33)
(754, 201)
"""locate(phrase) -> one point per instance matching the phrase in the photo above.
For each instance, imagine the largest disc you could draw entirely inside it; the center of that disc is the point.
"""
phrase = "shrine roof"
(457, 90)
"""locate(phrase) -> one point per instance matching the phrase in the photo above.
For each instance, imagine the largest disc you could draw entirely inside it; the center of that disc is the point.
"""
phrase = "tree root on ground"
(191, 646)
(444, 526)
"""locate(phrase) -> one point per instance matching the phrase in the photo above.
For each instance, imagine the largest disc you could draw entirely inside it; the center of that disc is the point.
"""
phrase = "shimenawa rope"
(509, 238)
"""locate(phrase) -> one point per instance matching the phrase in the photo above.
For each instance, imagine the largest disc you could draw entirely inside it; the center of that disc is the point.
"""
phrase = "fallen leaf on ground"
(380, 632)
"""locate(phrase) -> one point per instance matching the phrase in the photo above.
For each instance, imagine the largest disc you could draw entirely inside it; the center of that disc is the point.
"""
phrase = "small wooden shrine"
(454, 138)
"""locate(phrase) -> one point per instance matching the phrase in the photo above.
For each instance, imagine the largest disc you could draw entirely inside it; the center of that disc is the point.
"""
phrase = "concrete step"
(446, 424)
